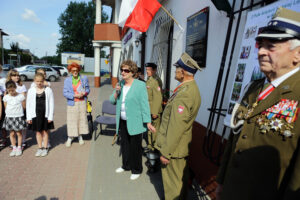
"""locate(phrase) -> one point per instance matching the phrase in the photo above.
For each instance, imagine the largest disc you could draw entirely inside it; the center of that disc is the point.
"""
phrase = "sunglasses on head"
(125, 70)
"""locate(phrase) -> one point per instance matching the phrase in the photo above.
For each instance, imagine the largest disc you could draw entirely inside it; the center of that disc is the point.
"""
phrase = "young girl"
(41, 71)
(46, 84)
(14, 122)
(40, 109)
(13, 75)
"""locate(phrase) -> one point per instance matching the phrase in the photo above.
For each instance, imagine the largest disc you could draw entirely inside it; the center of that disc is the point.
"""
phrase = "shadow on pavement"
(59, 136)
(45, 198)
(156, 180)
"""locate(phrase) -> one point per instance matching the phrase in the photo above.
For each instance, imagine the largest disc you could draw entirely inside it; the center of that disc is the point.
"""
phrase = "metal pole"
(2, 51)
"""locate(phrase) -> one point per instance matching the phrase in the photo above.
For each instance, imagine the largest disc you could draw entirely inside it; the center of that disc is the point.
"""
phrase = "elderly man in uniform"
(262, 160)
(175, 133)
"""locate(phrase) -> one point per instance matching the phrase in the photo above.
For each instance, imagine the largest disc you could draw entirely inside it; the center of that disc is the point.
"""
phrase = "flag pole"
(172, 17)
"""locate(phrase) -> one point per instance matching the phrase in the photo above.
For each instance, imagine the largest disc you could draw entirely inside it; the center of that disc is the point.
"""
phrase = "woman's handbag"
(89, 116)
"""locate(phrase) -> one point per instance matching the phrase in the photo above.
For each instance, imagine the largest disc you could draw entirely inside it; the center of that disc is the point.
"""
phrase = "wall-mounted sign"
(196, 36)
(69, 57)
(127, 38)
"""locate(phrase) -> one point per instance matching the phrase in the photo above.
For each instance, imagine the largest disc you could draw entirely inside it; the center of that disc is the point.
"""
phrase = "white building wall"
(217, 30)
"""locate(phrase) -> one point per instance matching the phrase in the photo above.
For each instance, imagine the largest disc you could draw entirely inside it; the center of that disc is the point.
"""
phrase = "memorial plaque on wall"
(196, 36)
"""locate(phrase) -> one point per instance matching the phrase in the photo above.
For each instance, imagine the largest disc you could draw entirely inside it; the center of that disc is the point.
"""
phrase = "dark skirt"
(40, 123)
(14, 123)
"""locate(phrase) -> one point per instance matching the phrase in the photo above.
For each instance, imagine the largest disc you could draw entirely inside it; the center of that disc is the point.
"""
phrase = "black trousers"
(131, 149)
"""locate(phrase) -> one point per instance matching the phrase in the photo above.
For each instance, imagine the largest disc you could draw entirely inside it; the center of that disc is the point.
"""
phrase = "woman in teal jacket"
(132, 116)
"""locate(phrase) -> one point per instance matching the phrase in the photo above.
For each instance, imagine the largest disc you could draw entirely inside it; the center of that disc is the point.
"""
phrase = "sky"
(33, 24)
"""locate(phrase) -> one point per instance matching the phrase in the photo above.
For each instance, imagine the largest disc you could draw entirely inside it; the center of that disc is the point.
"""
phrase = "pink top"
(76, 92)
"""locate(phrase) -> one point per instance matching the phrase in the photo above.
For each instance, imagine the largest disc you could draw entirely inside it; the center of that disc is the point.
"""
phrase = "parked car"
(56, 69)
(7, 67)
(27, 72)
(63, 71)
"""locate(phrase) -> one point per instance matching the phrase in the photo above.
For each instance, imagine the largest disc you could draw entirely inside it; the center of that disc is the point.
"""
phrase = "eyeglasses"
(74, 70)
(125, 70)
(15, 75)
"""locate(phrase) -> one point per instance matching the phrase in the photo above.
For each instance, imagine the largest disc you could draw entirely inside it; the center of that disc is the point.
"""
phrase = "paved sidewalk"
(80, 172)
(58, 176)
(102, 181)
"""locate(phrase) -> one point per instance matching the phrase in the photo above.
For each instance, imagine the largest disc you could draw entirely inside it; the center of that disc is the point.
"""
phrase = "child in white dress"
(14, 122)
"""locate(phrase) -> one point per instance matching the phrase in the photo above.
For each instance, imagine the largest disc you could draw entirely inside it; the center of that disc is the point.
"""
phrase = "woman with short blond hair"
(132, 118)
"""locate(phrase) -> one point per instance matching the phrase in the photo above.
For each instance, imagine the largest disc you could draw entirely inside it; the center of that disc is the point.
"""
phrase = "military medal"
(276, 124)
(279, 118)
(250, 111)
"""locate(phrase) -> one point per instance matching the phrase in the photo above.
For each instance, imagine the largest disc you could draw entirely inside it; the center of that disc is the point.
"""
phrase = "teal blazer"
(136, 106)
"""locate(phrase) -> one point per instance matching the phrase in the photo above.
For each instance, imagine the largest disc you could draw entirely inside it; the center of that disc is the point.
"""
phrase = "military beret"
(284, 25)
(150, 64)
(187, 63)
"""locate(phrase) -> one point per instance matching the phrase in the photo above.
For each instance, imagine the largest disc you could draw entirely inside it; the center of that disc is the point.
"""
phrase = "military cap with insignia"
(152, 65)
(187, 63)
(285, 25)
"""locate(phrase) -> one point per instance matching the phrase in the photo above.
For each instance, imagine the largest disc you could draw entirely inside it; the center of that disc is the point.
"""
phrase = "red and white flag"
(138, 14)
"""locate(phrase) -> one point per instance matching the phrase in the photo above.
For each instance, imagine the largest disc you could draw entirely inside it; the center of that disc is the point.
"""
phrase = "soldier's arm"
(179, 118)
(156, 99)
(229, 146)
(225, 159)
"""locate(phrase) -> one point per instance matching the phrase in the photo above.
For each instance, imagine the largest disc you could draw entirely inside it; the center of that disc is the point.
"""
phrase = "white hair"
(188, 73)
(294, 43)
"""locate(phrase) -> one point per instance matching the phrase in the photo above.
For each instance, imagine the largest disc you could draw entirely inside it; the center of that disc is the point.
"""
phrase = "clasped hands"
(79, 95)
(30, 121)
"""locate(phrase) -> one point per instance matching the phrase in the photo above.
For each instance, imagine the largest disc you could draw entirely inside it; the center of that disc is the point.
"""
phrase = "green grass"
(86, 73)
(92, 73)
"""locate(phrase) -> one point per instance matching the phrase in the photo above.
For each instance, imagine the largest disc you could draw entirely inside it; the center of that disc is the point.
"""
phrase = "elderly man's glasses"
(125, 70)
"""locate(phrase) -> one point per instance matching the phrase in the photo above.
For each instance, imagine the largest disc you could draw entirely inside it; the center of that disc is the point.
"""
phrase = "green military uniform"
(174, 137)
(263, 161)
(154, 87)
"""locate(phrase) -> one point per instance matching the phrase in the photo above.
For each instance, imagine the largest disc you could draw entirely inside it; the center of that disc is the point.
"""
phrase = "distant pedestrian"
(139, 76)
(13, 75)
(14, 122)
(76, 90)
(133, 118)
(40, 110)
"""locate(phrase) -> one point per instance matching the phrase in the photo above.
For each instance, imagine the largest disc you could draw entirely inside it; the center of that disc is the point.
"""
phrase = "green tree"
(14, 46)
(77, 28)
(25, 59)
(52, 60)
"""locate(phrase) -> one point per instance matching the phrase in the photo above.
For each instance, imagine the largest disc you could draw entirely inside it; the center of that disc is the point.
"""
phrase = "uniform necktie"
(268, 88)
